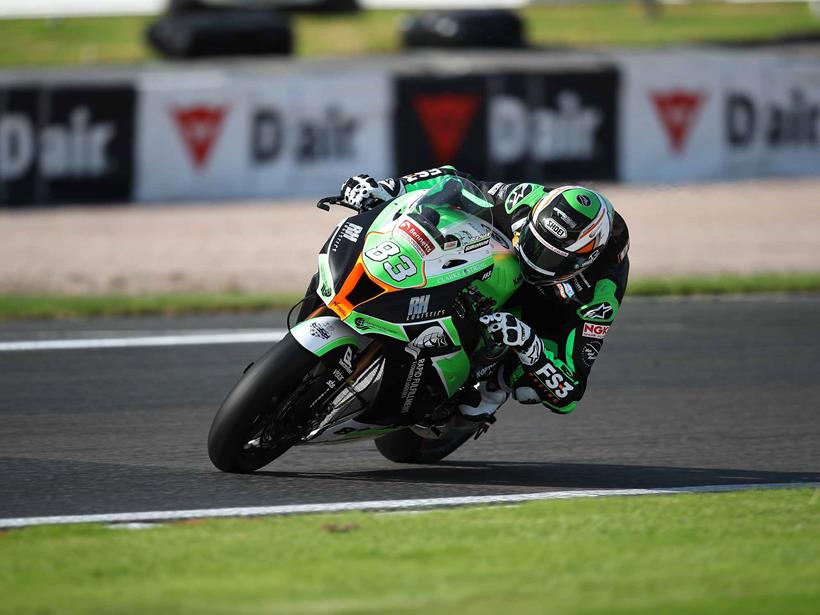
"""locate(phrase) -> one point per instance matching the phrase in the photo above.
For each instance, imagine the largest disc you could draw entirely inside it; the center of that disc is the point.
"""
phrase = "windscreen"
(451, 213)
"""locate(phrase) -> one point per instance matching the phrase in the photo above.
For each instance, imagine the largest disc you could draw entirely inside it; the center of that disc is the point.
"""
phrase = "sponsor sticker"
(348, 231)
(556, 229)
(565, 219)
(518, 194)
(418, 307)
(411, 385)
(422, 242)
(347, 360)
(590, 352)
(477, 243)
(594, 330)
(555, 381)
(319, 331)
(431, 338)
(602, 311)
(565, 290)
(496, 187)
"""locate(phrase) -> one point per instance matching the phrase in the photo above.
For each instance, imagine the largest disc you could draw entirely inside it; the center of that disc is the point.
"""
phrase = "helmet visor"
(542, 263)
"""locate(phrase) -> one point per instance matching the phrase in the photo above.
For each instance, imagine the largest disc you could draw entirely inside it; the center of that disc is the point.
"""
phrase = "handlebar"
(326, 202)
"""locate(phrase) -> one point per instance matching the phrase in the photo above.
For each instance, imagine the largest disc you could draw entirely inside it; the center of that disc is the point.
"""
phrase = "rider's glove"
(362, 192)
(505, 329)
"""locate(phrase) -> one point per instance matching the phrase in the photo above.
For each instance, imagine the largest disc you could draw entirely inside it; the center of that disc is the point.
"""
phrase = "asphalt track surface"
(686, 392)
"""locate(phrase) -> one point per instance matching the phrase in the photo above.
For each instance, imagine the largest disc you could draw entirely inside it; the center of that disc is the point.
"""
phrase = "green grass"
(725, 284)
(55, 306)
(750, 552)
(120, 39)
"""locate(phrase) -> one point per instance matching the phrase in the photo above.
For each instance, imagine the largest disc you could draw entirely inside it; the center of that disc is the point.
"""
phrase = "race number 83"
(399, 268)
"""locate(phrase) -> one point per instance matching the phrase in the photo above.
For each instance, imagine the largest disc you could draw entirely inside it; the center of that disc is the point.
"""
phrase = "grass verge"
(65, 42)
(735, 553)
(726, 284)
(17, 307)
(55, 306)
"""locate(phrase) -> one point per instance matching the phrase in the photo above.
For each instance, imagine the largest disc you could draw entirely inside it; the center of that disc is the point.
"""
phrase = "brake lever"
(327, 201)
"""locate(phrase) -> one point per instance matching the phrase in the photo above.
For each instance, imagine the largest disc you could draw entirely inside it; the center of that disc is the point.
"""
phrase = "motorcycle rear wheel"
(405, 446)
(264, 386)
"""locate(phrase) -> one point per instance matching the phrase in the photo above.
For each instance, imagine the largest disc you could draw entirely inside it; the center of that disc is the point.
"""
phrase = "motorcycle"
(387, 339)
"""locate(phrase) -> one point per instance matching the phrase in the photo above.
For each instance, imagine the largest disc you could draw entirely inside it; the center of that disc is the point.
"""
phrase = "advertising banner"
(671, 118)
(510, 125)
(440, 120)
(309, 133)
(719, 116)
(193, 138)
(787, 121)
(64, 144)
(241, 136)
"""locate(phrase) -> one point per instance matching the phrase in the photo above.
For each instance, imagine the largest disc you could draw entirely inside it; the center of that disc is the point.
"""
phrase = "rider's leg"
(480, 402)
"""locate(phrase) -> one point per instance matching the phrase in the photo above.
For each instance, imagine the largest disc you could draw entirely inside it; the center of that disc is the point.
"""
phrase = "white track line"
(188, 339)
(256, 511)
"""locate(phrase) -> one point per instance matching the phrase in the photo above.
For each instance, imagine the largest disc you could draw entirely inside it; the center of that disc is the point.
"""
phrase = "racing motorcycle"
(391, 337)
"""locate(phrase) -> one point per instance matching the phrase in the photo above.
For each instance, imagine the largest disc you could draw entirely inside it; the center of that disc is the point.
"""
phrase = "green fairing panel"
(325, 288)
(366, 324)
(504, 281)
(332, 345)
(460, 273)
(455, 369)
(406, 261)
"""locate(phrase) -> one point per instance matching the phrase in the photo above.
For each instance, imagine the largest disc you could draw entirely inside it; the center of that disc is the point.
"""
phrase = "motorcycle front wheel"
(240, 440)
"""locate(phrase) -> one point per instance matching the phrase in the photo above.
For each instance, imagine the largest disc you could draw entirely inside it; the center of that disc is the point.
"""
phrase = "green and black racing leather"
(571, 318)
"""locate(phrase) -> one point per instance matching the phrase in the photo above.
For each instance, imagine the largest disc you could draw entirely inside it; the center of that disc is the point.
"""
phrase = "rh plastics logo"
(678, 112)
(199, 127)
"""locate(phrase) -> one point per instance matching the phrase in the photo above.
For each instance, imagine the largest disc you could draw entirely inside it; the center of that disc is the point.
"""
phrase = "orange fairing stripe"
(340, 304)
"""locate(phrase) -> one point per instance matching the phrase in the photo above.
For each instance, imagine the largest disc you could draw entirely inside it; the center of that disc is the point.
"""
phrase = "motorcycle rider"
(572, 248)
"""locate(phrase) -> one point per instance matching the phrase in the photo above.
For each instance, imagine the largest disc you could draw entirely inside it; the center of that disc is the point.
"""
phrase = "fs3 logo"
(555, 381)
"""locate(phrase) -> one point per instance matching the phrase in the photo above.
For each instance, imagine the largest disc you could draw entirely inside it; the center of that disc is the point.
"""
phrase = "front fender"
(322, 334)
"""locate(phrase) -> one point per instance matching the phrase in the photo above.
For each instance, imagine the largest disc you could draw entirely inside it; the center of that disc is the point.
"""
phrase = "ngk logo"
(596, 331)
(75, 149)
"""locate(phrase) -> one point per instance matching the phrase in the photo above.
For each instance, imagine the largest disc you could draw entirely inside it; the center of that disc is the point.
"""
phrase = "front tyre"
(405, 446)
(246, 411)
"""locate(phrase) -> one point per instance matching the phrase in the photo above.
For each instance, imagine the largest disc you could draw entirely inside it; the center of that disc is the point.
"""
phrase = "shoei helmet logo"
(556, 229)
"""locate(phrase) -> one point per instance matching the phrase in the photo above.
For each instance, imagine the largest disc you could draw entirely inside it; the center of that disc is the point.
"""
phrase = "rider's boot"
(479, 403)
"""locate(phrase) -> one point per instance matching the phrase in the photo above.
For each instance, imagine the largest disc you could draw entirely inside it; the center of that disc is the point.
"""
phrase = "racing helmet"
(563, 235)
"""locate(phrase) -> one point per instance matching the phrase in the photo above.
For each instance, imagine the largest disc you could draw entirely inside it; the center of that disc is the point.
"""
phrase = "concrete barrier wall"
(239, 130)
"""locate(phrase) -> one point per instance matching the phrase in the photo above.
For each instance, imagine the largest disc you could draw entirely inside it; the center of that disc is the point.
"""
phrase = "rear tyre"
(264, 386)
(405, 446)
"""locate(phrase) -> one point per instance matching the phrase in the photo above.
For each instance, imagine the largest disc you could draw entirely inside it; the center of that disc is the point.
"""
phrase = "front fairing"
(406, 262)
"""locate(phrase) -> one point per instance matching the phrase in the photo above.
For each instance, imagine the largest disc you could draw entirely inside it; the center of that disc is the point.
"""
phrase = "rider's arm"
(555, 373)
